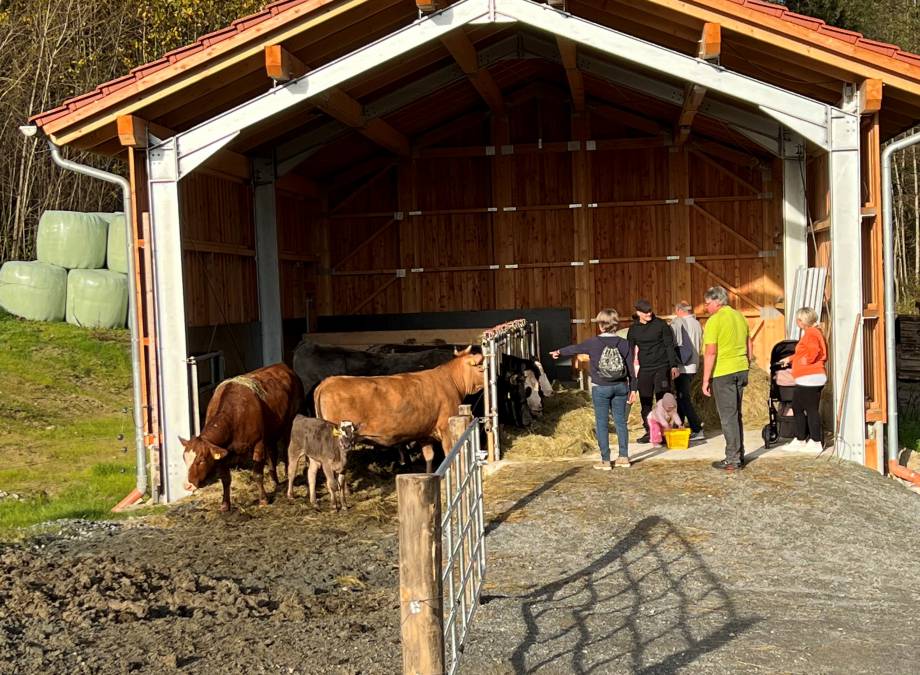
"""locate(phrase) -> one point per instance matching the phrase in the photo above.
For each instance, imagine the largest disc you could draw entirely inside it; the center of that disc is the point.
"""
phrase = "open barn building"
(327, 158)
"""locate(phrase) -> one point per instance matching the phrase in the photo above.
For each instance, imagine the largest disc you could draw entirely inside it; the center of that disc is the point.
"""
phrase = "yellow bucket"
(677, 439)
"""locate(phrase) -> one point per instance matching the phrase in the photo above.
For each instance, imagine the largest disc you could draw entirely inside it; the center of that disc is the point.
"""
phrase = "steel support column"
(267, 269)
(795, 214)
(172, 343)
(846, 302)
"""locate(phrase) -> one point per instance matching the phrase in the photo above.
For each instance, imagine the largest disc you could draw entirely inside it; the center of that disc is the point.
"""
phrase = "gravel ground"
(795, 565)
(279, 589)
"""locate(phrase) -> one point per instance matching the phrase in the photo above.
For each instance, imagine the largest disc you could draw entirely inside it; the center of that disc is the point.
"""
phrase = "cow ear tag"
(215, 455)
(336, 432)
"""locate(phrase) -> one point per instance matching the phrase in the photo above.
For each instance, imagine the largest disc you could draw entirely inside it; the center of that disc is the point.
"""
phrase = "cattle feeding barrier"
(442, 554)
(216, 370)
(520, 338)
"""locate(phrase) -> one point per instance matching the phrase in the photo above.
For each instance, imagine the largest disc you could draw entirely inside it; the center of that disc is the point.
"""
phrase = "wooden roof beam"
(710, 49)
(711, 42)
(870, 96)
(693, 99)
(464, 53)
(429, 6)
(282, 66)
(133, 133)
(568, 50)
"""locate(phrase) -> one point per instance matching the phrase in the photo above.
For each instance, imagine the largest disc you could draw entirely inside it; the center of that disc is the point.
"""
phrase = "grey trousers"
(727, 390)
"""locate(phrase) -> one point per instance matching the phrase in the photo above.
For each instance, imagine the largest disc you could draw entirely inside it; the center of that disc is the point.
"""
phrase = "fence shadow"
(648, 605)
(526, 499)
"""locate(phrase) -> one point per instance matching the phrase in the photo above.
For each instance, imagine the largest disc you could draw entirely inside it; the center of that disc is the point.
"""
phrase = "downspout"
(141, 460)
(893, 444)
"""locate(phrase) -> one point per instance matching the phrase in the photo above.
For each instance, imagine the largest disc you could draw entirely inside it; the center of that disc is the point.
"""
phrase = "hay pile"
(754, 407)
(565, 430)
(567, 426)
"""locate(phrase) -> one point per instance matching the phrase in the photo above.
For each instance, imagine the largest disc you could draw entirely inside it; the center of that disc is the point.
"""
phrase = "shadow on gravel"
(526, 499)
(649, 605)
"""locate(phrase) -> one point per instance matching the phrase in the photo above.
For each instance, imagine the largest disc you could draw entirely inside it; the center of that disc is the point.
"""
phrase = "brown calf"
(251, 413)
(395, 409)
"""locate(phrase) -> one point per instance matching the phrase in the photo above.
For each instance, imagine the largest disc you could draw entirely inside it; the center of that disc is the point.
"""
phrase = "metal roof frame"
(830, 128)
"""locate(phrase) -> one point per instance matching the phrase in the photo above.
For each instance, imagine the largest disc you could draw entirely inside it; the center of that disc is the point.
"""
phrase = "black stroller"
(781, 424)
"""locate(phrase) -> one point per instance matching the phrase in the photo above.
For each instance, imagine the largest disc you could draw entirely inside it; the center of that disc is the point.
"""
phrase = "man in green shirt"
(726, 359)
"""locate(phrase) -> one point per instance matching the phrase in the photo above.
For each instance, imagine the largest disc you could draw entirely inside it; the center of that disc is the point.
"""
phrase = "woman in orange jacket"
(808, 369)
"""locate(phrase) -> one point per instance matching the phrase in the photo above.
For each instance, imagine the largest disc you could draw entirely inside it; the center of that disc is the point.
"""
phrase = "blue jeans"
(605, 398)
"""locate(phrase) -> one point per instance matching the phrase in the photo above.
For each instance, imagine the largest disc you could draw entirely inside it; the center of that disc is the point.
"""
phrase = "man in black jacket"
(657, 358)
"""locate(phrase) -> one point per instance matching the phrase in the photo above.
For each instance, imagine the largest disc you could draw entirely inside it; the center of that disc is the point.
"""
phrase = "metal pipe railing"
(140, 453)
(891, 374)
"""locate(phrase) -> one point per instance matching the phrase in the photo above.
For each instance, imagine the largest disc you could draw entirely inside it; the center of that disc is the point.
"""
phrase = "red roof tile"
(276, 8)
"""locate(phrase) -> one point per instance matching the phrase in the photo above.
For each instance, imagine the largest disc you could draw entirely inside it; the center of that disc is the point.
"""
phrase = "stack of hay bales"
(80, 273)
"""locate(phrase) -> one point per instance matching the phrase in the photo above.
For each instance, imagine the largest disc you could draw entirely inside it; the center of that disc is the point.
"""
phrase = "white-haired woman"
(614, 384)
(810, 373)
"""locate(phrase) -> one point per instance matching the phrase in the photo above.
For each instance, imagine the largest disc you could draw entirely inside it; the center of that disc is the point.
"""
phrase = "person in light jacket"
(809, 368)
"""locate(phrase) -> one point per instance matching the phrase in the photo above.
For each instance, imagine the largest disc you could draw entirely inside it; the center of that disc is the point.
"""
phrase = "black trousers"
(805, 402)
(653, 384)
(684, 405)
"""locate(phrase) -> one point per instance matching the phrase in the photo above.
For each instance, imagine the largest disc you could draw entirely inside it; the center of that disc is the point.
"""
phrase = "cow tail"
(316, 405)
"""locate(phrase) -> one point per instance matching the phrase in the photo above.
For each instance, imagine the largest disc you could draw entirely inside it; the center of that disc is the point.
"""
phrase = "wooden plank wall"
(724, 219)
(298, 253)
(219, 251)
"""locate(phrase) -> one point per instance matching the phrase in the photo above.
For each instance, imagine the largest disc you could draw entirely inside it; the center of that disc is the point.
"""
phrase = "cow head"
(346, 433)
(200, 457)
(532, 392)
(546, 388)
(468, 370)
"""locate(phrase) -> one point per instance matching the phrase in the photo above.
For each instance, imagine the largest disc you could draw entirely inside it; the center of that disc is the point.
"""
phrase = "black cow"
(313, 363)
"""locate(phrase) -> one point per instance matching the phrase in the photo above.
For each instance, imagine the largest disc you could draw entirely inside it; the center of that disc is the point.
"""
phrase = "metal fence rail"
(463, 530)
(519, 338)
(442, 552)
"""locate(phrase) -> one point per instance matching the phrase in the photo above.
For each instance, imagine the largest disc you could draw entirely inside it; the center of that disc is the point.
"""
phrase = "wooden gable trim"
(185, 72)
(799, 39)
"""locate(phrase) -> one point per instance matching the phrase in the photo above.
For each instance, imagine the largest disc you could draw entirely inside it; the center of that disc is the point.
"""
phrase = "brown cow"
(250, 413)
(395, 409)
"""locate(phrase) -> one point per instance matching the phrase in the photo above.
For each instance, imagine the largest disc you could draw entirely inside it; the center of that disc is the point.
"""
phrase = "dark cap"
(643, 306)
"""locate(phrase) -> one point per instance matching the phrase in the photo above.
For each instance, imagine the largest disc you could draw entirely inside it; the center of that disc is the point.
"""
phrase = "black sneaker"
(643, 439)
(723, 465)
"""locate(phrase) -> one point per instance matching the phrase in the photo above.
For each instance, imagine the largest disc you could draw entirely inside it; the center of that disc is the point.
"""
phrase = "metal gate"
(517, 338)
(442, 552)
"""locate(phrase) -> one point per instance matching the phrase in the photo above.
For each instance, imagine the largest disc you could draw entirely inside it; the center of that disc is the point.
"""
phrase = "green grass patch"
(91, 495)
(66, 432)
(909, 433)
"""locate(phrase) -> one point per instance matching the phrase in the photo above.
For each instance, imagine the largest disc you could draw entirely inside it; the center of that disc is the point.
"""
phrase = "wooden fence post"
(420, 593)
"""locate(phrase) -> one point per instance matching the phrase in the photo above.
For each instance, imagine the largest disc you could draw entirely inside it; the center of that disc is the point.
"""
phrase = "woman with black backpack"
(613, 380)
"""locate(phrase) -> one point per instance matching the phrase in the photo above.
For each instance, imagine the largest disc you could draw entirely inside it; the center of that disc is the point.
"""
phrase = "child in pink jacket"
(663, 416)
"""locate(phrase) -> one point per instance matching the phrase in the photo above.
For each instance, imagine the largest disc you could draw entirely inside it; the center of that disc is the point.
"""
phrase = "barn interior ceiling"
(513, 59)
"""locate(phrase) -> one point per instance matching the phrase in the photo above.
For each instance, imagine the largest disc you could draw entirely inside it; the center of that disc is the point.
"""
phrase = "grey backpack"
(611, 365)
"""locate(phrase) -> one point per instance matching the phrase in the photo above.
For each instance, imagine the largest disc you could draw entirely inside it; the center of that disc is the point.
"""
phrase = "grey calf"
(325, 445)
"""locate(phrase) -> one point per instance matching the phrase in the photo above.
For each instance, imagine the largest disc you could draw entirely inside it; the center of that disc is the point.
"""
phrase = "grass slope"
(65, 397)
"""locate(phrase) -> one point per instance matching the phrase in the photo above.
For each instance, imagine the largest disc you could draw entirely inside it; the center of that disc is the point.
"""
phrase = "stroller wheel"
(769, 435)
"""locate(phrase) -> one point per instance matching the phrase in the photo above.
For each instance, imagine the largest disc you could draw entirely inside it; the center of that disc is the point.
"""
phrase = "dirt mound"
(282, 588)
(99, 589)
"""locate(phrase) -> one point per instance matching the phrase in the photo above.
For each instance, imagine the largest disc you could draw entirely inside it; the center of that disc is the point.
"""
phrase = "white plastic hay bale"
(116, 255)
(33, 290)
(97, 298)
(71, 239)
